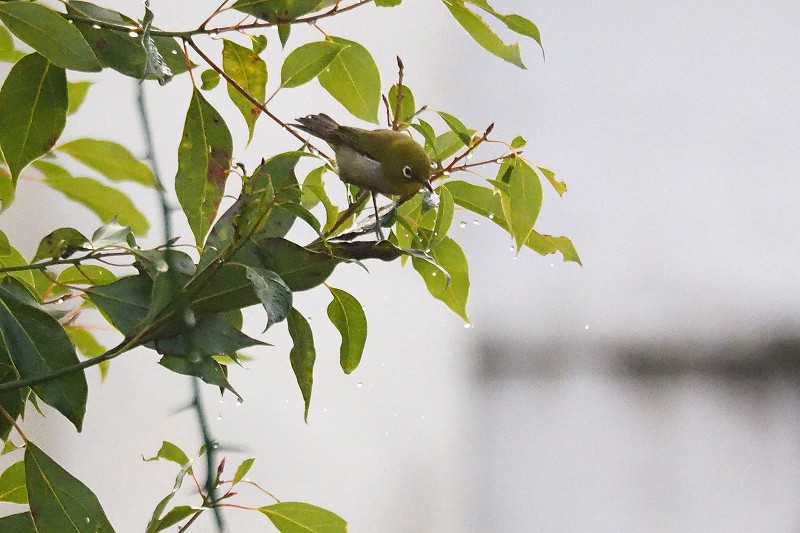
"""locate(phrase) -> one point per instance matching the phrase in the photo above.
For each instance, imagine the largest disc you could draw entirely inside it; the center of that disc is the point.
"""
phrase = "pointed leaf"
(302, 355)
(276, 10)
(559, 186)
(38, 346)
(523, 202)
(513, 22)
(204, 158)
(449, 256)
(18, 523)
(7, 186)
(212, 335)
(250, 72)
(347, 314)
(296, 517)
(33, 110)
(50, 34)
(12, 484)
(483, 34)
(205, 368)
(76, 92)
(7, 51)
(86, 275)
(444, 216)
(125, 302)
(278, 173)
(209, 79)
(110, 233)
(352, 78)
(283, 33)
(305, 63)
(5, 246)
(59, 502)
(242, 470)
(458, 127)
(170, 452)
(407, 105)
(175, 515)
(275, 296)
(111, 159)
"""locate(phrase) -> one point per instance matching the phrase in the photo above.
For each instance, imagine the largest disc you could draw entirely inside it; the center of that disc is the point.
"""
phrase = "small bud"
(489, 129)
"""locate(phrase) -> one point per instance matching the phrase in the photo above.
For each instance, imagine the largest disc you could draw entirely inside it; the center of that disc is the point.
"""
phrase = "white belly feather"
(357, 168)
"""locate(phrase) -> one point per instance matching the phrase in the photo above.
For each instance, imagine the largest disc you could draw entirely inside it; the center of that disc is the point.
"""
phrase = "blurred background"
(652, 389)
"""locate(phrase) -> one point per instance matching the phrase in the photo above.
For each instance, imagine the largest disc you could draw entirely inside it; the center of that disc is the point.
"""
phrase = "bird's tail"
(320, 125)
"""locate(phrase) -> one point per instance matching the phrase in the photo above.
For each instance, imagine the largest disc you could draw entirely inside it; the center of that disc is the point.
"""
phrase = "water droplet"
(189, 318)
(214, 445)
(552, 265)
(511, 247)
(394, 415)
(434, 273)
(222, 400)
(386, 433)
(462, 224)
(96, 26)
(469, 156)
(446, 173)
(287, 400)
(219, 416)
(88, 520)
(422, 417)
(174, 52)
(476, 223)
(467, 325)
(499, 160)
(133, 34)
(162, 266)
(239, 402)
(324, 409)
(405, 235)
(586, 326)
(359, 384)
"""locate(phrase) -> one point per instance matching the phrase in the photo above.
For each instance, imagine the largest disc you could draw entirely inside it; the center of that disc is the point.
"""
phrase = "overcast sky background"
(674, 125)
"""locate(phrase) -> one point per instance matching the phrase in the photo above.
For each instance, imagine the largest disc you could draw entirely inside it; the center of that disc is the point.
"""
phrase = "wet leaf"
(275, 296)
(347, 314)
(523, 202)
(109, 234)
(447, 254)
(302, 355)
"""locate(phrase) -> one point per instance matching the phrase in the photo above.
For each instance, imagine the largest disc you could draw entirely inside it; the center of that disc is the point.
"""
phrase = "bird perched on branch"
(382, 161)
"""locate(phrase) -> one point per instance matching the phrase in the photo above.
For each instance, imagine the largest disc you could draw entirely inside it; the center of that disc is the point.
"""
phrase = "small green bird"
(382, 161)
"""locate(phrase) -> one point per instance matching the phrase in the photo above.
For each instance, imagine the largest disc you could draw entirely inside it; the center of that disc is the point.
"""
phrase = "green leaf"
(86, 275)
(464, 134)
(14, 258)
(302, 356)
(18, 523)
(559, 186)
(242, 470)
(300, 268)
(450, 257)
(209, 79)
(87, 344)
(352, 78)
(515, 23)
(278, 173)
(212, 335)
(111, 233)
(12, 401)
(297, 517)
(125, 302)
(518, 142)
(5, 246)
(175, 515)
(547, 244)
(276, 10)
(12, 484)
(171, 452)
(275, 296)
(448, 143)
(444, 217)
(76, 93)
(283, 33)
(347, 314)
(250, 72)
(483, 34)
(50, 34)
(205, 368)
(313, 192)
(523, 202)
(259, 43)
(407, 105)
(118, 50)
(387, 3)
(155, 519)
(204, 158)
(59, 502)
(110, 159)
(305, 63)
(6, 187)
(38, 346)
(33, 110)
(7, 51)
(104, 201)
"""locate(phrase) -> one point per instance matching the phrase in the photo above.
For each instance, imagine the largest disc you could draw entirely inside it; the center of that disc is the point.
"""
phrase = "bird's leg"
(378, 232)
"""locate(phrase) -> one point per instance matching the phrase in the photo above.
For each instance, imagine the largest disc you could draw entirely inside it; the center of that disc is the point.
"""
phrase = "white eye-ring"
(407, 171)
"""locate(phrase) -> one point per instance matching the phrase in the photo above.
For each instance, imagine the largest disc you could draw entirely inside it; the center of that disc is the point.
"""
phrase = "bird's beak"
(427, 185)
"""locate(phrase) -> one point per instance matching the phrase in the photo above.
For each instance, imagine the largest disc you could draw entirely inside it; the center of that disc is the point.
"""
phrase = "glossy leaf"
(104, 201)
(352, 78)
(523, 202)
(50, 34)
(250, 72)
(483, 34)
(450, 257)
(60, 502)
(347, 315)
(33, 110)
(76, 94)
(296, 517)
(18, 523)
(38, 346)
(204, 158)
(110, 159)
(276, 10)
(12, 484)
(305, 63)
(275, 296)
(109, 234)
(302, 355)
(119, 50)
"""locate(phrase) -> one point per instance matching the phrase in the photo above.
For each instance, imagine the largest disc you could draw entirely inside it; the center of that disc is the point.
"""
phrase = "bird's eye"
(407, 171)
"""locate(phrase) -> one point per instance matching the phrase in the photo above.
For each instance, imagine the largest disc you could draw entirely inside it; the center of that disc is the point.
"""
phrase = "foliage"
(186, 305)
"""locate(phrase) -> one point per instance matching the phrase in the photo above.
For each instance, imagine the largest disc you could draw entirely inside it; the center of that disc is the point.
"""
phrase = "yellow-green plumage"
(384, 161)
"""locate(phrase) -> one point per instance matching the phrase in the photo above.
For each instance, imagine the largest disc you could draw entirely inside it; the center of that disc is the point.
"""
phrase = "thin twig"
(399, 93)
